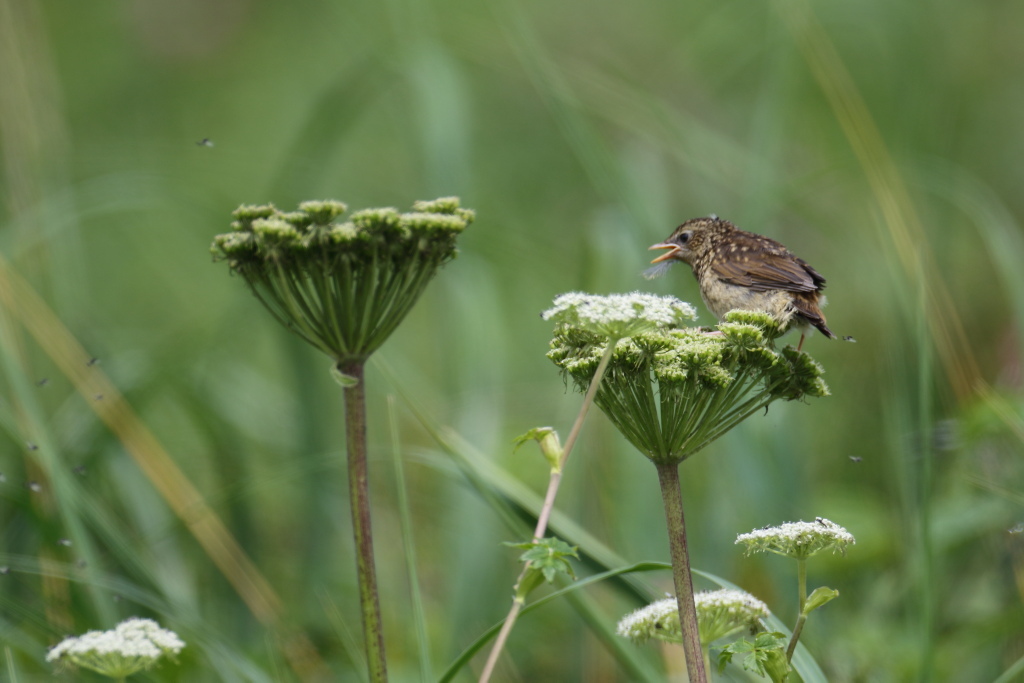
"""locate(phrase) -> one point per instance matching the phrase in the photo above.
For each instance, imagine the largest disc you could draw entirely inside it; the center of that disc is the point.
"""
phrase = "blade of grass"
(419, 617)
(1013, 673)
(628, 656)
(60, 497)
(12, 672)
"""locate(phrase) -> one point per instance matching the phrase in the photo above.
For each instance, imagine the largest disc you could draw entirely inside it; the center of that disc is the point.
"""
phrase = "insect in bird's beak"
(673, 250)
(663, 262)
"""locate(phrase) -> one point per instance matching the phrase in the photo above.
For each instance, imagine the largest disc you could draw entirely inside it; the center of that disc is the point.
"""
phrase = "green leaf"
(531, 579)
(819, 597)
(549, 556)
(765, 656)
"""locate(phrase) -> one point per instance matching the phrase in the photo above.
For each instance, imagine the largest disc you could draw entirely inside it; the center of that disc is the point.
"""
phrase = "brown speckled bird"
(738, 269)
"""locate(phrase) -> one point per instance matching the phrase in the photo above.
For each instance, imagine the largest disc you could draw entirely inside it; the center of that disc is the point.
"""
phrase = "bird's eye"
(685, 237)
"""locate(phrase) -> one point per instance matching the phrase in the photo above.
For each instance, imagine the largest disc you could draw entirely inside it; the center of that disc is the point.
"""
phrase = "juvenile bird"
(738, 269)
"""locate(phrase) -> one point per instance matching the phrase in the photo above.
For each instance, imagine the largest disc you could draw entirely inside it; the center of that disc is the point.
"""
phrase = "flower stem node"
(132, 646)
(548, 558)
(798, 540)
(550, 445)
(342, 286)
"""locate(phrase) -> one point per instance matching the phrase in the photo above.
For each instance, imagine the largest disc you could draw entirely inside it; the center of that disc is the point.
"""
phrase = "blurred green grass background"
(880, 141)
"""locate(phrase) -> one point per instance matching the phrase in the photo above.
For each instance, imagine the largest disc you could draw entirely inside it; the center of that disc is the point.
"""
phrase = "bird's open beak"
(673, 250)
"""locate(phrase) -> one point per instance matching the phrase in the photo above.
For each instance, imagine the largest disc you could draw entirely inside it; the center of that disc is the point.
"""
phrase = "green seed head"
(342, 286)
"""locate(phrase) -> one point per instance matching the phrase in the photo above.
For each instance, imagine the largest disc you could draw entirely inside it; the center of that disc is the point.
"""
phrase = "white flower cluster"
(798, 539)
(658, 620)
(720, 613)
(727, 611)
(737, 603)
(619, 315)
(132, 646)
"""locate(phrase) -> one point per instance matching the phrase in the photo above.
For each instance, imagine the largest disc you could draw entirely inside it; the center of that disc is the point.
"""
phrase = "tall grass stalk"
(419, 616)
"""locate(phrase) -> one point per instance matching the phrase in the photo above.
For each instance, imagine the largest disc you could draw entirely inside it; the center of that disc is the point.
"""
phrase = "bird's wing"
(764, 264)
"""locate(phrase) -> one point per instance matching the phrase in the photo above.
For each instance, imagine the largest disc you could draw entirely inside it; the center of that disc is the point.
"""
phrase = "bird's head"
(690, 240)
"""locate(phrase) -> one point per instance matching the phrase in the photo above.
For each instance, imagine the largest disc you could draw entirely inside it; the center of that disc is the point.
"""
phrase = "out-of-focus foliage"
(880, 141)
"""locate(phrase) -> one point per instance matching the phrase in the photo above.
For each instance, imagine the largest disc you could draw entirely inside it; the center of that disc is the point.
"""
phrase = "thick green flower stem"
(671, 495)
(801, 573)
(359, 496)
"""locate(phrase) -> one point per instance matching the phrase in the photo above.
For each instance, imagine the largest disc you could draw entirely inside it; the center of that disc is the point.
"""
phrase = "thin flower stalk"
(554, 481)
(801, 618)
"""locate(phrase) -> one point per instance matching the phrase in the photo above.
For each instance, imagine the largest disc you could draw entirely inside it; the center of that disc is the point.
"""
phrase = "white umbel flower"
(133, 645)
(798, 540)
(619, 315)
(658, 620)
(720, 613)
(725, 612)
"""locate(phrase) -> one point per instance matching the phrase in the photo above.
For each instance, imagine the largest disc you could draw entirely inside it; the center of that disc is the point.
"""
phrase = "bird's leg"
(801, 344)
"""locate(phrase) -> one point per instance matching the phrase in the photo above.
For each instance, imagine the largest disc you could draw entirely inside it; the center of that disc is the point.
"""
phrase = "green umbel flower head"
(133, 645)
(342, 286)
(720, 614)
(798, 540)
(671, 390)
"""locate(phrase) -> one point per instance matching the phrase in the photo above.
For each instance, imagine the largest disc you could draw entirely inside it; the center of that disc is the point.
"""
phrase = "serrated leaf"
(765, 656)
(547, 558)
